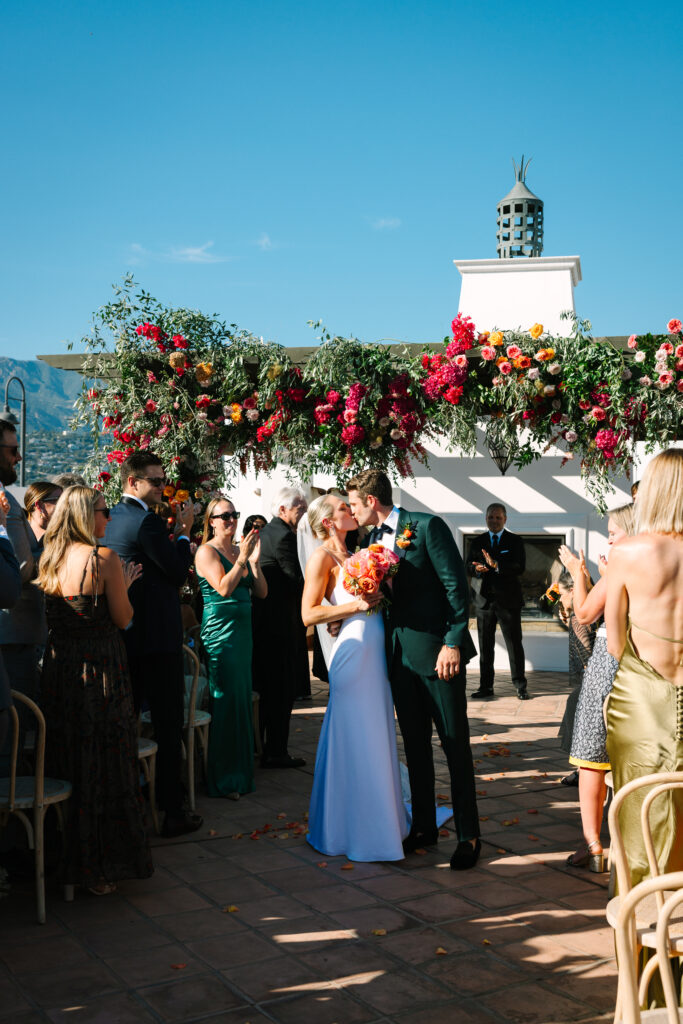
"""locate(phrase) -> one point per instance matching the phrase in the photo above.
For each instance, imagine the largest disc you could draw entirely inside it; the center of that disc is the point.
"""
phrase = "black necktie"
(495, 545)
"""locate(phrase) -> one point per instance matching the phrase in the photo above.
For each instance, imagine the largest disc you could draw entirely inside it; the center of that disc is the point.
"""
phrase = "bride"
(356, 805)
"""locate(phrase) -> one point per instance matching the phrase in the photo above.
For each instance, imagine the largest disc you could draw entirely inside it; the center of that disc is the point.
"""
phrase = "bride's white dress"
(356, 804)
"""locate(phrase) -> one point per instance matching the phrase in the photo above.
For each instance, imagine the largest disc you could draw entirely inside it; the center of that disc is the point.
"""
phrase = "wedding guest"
(65, 480)
(23, 629)
(229, 574)
(645, 633)
(10, 589)
(154, 641)
(86, 696)
(253, 522)
(588, 747)
(279, 633)
(40, 500)
(581, 640)
(497, 560)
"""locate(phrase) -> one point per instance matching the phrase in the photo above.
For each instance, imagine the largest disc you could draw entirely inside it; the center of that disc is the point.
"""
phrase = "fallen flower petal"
(230, 909)
(347, 867)
(322, 864)
(178, 967)
(440, 951)
(379, 931)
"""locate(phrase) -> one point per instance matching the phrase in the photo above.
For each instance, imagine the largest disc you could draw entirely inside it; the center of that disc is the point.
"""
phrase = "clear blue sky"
(276, 161)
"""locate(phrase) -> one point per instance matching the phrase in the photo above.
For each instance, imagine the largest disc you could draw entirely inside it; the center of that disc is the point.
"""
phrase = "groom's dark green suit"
(429, 609)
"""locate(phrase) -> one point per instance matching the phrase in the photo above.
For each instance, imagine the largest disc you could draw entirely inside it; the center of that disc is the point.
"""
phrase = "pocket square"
(503, 552)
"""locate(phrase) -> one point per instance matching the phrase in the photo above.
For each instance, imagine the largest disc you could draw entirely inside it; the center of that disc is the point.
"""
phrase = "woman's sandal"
(102, 890)
(595, 862)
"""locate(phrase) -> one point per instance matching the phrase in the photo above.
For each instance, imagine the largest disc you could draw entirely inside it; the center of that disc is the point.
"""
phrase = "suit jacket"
(10, 590)
(430, 599)
(140, 536)
(25, 622)
(280, 611)
(503, 587)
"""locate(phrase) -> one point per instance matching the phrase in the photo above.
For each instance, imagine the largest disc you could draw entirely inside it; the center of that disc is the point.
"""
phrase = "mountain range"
(50, 393)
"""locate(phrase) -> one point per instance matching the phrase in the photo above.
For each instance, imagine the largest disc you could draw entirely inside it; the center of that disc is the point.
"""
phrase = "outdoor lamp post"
(11, 418)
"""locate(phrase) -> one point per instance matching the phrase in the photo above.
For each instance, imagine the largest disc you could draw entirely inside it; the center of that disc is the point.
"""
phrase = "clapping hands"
(574, 564)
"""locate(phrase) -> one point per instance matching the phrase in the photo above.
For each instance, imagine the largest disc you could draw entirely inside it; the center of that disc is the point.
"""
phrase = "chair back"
(193, 661)
(39, 751)
(660, 783)
(627, 949)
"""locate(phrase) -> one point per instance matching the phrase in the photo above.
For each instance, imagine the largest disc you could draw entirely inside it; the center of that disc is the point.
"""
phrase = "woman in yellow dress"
(644, 617)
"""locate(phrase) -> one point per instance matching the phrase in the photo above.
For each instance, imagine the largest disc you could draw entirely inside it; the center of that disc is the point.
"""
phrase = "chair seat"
(146, 747)
(654, 1016)
(609, 780)
(54, 791)
(200, 718)
(646, 922)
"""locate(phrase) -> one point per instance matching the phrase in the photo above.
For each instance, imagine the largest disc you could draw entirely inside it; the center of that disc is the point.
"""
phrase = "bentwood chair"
(22, 794)
(667, 892)
(147, 756)
(650, 904)
(196, 720)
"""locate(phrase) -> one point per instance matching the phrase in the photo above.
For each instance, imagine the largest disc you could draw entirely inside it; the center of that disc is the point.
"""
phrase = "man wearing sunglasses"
(23, 628)
(154, 641)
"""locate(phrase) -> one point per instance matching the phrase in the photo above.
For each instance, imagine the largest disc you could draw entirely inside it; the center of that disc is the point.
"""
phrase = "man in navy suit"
(496, 562)
(154, 641)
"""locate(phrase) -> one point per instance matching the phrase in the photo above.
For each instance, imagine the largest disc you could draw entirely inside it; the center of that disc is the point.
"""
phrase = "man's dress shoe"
(180, 824)
(523, 695)
(465, 855)
(417, 840)
(482, 695)
(283, 762)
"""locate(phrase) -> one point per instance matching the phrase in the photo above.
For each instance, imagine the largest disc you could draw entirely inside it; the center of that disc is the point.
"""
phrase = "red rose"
(151, 406)
(179, 341)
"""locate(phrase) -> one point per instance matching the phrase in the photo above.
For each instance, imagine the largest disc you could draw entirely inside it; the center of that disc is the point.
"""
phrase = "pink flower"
(162, 431)
(674, 326)
(252, 415)
(679, 351)
(488, 353)
(632, 341)
(679, 365)
(645, 380)
(350, 415)
(666, 348)
(665, 379)
(460, 360)
(513, 351)
(679, 384)
(151, 378)
(640, 357)
(505, 367)
(151, 406)
(571, 436)
(597, 413)
(554, 368)
(333, 397)
(534, 373)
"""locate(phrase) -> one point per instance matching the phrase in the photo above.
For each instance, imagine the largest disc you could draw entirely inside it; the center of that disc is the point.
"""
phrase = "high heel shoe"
(585, 858)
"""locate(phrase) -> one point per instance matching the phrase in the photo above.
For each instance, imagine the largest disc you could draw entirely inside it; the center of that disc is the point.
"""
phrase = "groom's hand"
(334, 627)
(448, 663)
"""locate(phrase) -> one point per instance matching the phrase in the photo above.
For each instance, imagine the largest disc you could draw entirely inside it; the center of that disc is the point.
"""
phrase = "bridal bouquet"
(365, 571)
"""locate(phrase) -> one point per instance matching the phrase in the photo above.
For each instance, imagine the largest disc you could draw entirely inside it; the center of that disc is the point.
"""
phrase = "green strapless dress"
(226, 635)
(645, 735)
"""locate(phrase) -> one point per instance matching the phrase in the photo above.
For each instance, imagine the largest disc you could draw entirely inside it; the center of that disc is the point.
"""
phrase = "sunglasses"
(105, 511)
(14, 448)
(226, 516)
(156, 481)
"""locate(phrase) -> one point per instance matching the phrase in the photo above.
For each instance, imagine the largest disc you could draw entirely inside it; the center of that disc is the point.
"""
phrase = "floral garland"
(211, 400)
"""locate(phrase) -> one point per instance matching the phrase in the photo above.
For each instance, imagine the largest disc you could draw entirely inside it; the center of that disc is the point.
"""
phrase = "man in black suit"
(496, 562)
(278, 629)
(154, 641)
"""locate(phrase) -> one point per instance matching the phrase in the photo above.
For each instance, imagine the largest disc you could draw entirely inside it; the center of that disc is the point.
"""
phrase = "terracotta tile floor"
(519, 939)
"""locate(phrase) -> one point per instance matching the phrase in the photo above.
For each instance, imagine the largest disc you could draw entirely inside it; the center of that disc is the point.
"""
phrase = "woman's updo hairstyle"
(321, 508)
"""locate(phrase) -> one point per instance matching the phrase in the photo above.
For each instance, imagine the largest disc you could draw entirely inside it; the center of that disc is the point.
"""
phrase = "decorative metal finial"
(520, 218)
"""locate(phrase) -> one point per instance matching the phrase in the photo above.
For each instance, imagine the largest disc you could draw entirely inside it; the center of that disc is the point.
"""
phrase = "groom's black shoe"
(465, 855)
(283, 762)
(417, 840)
(522, 693)
(481, 694)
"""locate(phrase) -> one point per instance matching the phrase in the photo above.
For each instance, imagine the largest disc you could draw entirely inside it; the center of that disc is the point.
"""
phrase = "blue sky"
(276, 162)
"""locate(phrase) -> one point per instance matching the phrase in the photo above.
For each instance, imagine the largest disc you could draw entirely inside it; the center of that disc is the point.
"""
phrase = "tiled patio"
(244, 922)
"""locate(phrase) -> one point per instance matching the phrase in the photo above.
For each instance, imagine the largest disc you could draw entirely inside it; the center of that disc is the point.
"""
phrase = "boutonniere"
(405, 537)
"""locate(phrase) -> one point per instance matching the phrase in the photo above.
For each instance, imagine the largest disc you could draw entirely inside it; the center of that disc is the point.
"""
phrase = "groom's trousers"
(419, 701)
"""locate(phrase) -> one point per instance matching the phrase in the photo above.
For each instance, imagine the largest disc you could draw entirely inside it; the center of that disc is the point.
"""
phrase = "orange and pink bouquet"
(365, 571)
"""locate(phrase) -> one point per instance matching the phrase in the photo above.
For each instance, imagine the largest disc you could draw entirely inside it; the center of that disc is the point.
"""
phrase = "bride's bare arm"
(316, 586)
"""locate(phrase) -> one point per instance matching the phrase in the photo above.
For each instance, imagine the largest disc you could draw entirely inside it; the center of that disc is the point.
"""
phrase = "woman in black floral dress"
(86, 696)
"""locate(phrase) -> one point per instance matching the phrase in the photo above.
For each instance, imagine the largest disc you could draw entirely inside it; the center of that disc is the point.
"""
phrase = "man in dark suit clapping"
(279, 631)
(154, 641)
(496, 562)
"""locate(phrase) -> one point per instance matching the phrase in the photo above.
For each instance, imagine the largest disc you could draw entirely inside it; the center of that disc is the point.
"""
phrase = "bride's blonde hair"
(321, 508)
(73, 522)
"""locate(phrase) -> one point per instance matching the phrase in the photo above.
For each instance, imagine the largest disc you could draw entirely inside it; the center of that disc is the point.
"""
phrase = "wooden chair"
(196, 720)
(648, 907)
(147, 756)
(22, 793)
(667, 892)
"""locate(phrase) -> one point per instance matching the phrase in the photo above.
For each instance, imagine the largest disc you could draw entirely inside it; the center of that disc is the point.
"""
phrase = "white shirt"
(492, 536)
(388, 540)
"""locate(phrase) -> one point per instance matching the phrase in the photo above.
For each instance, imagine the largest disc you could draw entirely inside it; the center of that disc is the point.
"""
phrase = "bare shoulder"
(320, 562)
(206, 553)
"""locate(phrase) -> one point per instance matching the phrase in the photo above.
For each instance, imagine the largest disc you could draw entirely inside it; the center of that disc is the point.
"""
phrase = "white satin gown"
(356, 805)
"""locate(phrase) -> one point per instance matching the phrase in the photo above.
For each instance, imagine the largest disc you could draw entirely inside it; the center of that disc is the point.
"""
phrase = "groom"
(428, 646)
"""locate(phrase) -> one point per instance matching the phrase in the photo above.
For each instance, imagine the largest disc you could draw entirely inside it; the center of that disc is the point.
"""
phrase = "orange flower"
(202, 372)
(496, 338)
(182, 496)
(536, 331)
(408, 533)
(400, 543)
(169, 491)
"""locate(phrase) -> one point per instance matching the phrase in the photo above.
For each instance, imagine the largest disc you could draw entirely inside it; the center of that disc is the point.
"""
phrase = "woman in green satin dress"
(644, 617)
(228, 576)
